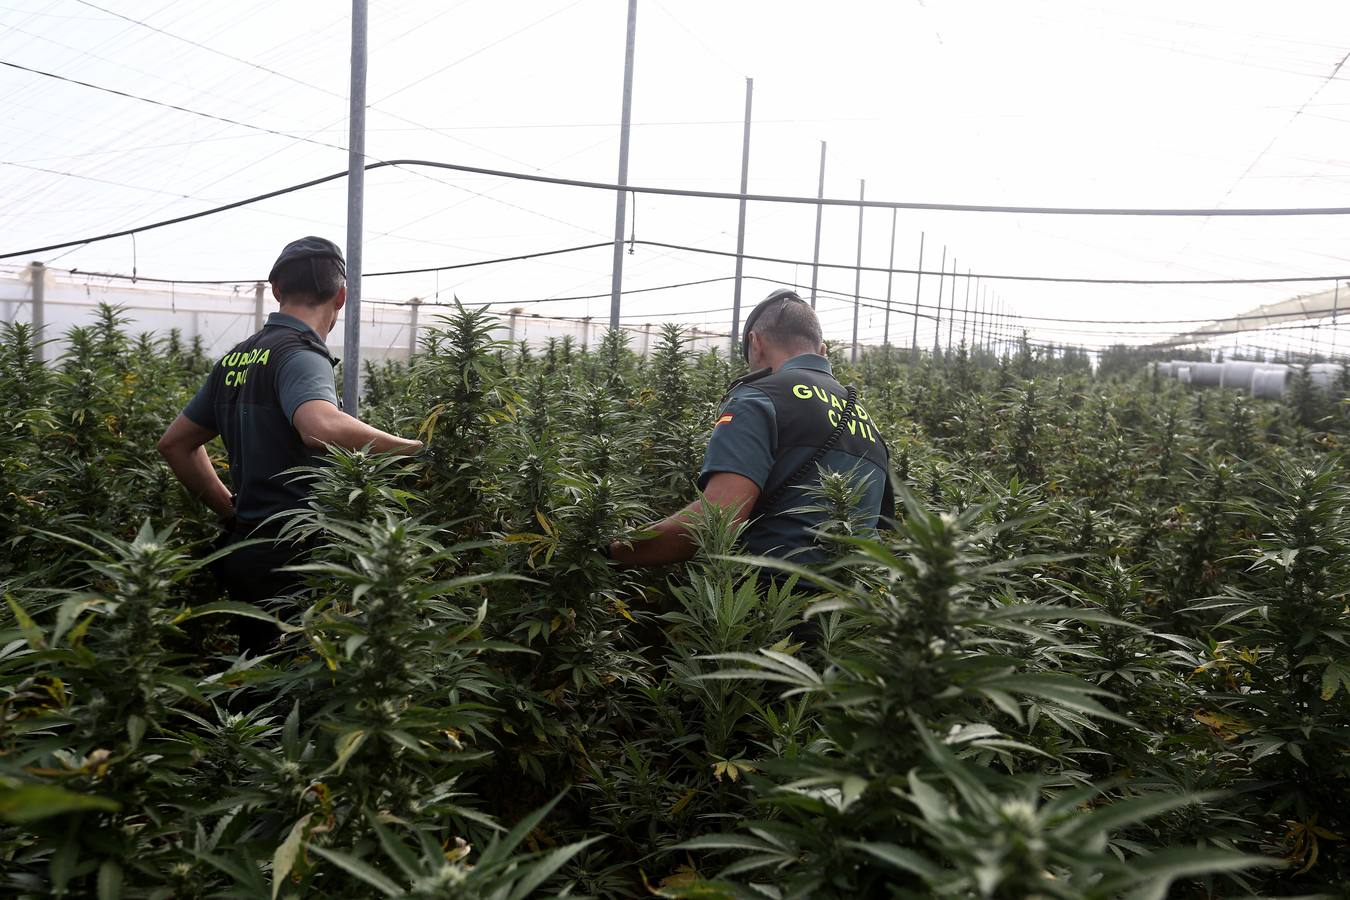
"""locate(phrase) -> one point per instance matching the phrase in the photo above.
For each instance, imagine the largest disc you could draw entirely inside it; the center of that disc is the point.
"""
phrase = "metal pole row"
(918, 290)
(740, 226)
(625, 127)
(356, 190)
(820, 210)
(857, 272)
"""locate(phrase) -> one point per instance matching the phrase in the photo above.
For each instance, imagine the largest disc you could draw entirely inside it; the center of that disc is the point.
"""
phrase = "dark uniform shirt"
(250, 399)
(769, 427)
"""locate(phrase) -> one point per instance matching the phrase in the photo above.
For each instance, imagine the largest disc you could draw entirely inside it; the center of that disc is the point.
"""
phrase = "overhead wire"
(209, 48)
(875, 204)
(685, 248)
(721, 195)
(82, 114)
(1064, 279)
(173, 106)
(898, 307)
(310, 139)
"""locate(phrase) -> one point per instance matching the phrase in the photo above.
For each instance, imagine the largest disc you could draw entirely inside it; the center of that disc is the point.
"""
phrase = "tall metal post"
(1008, 336)
(890, 276)
(259, 312)
(414, 306)
(998, 327)
(975, 323)
(356, 191)
(1008, 346)
(820, 210)
(1335, 309)
(918, 292)
(625, 126)
(1003, 328)
(37, 272)
(985, 317)
(993, 327)
(1010, 327)
(951, 310)
(740, 225)
(937, 324)
(965, 309)
(857, 271)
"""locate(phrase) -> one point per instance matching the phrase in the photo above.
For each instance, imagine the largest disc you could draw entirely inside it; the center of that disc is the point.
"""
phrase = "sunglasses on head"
(782, 297)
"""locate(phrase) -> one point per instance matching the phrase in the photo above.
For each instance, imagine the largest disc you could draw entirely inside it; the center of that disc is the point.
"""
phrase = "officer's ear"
(275, 295)
(341, 299)
(821, 351)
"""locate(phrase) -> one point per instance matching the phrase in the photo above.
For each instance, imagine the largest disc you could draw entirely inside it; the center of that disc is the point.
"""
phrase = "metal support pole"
(820, 210)
(259, 312)
(993, 328)
(986, 322)
(1000, 331)
(988, 316)
(1335, 310)
(1004, 349)
(937, 325)
(965, 313)
(976, 338)
(646, 339)
(890, 275)
(414, 306)
(511, 324)
(356, 190)
(37, 272)
(585, 334)
(918, 291)
(740, 225)
(626, 121)
(857, 271)
(951, 310)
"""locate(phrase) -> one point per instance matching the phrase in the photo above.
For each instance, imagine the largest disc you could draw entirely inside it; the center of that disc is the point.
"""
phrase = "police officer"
(273, 401)
(778, 427)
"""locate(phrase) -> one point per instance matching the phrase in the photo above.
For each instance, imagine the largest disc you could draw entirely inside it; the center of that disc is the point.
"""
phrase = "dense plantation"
(1104, 655)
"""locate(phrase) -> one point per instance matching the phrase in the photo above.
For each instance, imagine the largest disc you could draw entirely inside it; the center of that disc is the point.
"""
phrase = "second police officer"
(778, 427)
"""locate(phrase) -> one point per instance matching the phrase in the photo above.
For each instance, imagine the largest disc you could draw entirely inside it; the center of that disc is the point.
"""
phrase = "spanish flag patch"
(726, 417)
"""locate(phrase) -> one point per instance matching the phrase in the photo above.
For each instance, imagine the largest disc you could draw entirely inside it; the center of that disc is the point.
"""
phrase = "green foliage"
(1103, 654)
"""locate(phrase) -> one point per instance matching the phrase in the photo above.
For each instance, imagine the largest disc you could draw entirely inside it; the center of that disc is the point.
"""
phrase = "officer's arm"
(182, 447)
(673, 542)
(320, 423)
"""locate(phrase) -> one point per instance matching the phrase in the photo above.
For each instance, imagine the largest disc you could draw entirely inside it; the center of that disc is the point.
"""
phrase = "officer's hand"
(228, 520)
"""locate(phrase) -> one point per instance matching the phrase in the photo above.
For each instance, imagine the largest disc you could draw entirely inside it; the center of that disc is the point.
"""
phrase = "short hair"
(310, 281)
(790, 325)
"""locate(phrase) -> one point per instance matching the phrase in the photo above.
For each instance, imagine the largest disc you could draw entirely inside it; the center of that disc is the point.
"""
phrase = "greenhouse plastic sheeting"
(1269, 382)
(1238, 374)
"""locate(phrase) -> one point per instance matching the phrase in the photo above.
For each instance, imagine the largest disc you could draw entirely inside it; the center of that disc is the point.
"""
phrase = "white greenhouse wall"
(222, 317)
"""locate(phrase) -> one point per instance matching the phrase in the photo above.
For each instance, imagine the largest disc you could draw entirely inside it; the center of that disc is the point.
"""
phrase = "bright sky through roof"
(1034, 102)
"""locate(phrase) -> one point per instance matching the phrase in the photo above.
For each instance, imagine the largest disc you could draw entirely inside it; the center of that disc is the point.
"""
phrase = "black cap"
(308, 248)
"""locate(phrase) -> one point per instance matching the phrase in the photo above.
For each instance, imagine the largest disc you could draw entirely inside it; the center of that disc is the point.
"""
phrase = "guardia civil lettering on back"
(777, 428)
(273, 401)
